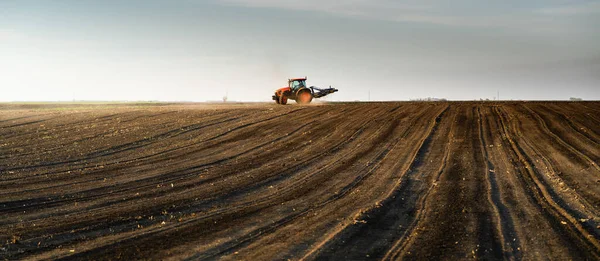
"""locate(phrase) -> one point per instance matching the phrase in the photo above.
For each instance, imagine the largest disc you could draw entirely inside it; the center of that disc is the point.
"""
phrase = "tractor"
(297, 90)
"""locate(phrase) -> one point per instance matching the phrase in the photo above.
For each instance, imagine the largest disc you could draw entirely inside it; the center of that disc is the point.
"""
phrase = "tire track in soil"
(104, 228)
(595, 109)
(593, 137)
(263, 231)
(506, 228)
(391, 217)
(22, 124)
(375, 162)
(65, 143)
(168, 173)
(580, 242)
(576, 158)
(565, 181)
(90, 165)
(129, 147)
(536, 232)
(82, 196)
(121, 224)
(399, 247)
(137, 185)
(387, 173)
(17, 118)
(154, 115)
(257, 204)
(71, 125)
(138, 144)
(582, 196)
(560, 141)
(390, 170)
(123, 163)
(459, 222)
(583, 115)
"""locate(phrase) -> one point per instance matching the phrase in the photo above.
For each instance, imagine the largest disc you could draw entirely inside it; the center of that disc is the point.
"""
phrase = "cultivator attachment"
(297, 90)
(318, 93)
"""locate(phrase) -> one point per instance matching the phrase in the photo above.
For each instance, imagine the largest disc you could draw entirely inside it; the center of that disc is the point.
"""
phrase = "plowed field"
(508, 180)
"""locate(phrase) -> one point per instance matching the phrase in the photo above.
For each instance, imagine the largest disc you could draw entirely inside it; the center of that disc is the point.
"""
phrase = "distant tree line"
(429, 99)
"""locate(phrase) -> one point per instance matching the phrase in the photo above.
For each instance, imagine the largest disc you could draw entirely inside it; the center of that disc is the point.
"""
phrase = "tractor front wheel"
(283, 100)
(277, 99)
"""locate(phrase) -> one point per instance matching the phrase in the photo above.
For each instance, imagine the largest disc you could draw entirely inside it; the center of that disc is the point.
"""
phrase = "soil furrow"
(332, 181)
(459, 221)
(590, 134)
(255, 205)
(392, 215)
(561, 141)
(504, 220)
(579, 238)
(137, 185)
(175, 209)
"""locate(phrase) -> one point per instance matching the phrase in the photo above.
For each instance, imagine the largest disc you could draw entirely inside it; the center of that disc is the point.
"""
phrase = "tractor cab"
(297, 83)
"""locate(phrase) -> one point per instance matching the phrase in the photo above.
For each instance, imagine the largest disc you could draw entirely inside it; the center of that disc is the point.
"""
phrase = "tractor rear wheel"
(283, 100)
(304, 97)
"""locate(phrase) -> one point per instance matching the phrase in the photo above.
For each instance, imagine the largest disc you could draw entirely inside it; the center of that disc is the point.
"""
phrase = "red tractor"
(297, 90)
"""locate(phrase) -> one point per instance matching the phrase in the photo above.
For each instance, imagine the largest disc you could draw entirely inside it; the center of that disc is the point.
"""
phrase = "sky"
(202, 50)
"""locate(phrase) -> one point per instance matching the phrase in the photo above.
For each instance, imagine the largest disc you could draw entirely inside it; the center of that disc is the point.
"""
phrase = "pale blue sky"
(198, 50)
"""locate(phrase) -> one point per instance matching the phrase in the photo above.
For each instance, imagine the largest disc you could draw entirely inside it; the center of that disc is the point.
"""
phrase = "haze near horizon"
(193, 50)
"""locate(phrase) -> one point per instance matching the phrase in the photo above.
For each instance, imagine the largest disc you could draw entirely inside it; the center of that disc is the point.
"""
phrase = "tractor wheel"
(277, 100)
(283, 100)
(304, 97)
